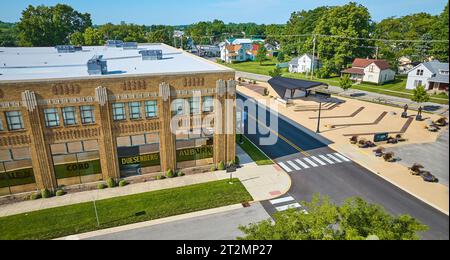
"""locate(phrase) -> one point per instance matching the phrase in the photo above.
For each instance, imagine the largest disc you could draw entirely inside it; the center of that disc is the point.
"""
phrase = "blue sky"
(175, 12)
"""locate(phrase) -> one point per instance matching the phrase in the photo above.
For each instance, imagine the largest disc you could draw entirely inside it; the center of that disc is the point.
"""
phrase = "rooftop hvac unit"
(151, 54)
(65, 48)
(114, 43)
(130, 45)
(97, 65)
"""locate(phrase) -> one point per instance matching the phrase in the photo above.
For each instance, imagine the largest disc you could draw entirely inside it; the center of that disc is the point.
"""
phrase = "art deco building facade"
(79, 116)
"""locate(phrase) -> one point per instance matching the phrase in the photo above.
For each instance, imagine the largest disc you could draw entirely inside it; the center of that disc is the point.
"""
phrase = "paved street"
(221, 226)
(313, 171)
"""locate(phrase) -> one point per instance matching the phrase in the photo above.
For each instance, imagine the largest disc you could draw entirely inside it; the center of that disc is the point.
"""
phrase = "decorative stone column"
(166, 136)
(220, 122)
(41, 157)
(230, 126)
(107, 140)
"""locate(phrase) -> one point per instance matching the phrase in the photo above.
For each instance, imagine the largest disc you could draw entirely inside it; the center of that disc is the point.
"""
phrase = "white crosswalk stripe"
(284, 166)
(304, 165)
(294, 166)
(310, 162)
(319, 161)
(326, 159)
(342, 157)
(334, 158)
(291, 206)
(282, 200)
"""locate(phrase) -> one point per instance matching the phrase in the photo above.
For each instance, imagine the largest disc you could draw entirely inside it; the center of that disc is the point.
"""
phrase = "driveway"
(433, 156)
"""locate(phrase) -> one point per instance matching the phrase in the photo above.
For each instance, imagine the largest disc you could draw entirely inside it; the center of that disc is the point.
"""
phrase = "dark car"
(428, 177)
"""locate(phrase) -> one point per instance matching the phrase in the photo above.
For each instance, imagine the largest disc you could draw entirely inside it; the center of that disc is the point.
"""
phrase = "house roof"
(242, 41)
(357, 71)
(294, 61)
(233, 48)
(280, 85)
(362, 63)
(435, 67)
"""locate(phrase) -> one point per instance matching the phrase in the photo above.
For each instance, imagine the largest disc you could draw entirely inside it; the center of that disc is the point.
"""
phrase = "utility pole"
(313, 57)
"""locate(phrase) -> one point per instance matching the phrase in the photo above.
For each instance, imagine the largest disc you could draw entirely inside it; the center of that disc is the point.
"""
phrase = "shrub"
(170, 174)
(60, 193)
(101, 186)
(45, 194)
(221, 166)
(213, 168)
(111, 183)
(35, 196)
(123, 183)
(237, 160)
(160, 177)
(180, 174)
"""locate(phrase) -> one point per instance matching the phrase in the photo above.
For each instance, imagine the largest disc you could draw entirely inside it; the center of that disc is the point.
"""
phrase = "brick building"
(80, 115)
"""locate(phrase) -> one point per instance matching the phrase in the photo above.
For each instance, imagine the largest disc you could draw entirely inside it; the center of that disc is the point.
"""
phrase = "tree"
(345, 82)
(93, 37)
(49, 26)
(346, 21)
(275, 72)
(440, 32)
(77, 38)
(280, 57)
(420, 95)
(261, 55)
(354, 220)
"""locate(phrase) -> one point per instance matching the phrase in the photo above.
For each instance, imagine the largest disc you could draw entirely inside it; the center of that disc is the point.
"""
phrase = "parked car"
(428, 177)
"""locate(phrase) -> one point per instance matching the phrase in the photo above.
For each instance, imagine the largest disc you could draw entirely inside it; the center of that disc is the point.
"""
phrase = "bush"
(213, 168)
(160, 177)
(170, 174)
(221, 166)
(111, 183)
(45, 194)
(237, 160)
(35, 196)
(60, 193)
(101, 186)
(180, 174)
(123, 183)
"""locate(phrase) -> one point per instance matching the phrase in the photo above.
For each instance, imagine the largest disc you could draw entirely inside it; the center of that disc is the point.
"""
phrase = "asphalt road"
(298, 148)
(220, 226)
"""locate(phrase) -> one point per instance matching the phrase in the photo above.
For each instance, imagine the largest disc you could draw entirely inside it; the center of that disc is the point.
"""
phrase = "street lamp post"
(320, 114)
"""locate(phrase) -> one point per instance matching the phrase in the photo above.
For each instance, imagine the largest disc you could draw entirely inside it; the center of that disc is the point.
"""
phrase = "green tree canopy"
(354, 220)
(350, 20)
(420, 95)
(49, 26)
(261, 55)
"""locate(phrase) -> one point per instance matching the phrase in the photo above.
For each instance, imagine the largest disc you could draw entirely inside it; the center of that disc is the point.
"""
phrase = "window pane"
(14, 120)
(151, 109)
(135, 110)
(118, 111)
(194, 104)
(69, 116)
(51, 117)
(208, 104)
(87, 115)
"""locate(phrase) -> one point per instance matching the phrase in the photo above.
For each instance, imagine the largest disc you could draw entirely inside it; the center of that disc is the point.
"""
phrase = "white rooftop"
(40, 63)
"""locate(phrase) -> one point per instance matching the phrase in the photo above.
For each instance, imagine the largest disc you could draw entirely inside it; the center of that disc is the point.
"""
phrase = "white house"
(370, 70)
(237, 50)
(303, 64)
(433, 75)
(405, 64)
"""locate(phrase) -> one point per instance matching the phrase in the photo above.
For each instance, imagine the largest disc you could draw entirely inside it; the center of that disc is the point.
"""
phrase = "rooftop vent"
(151, 54)
(65, 48)
(130, 45)
(114, 43)
(97, 65)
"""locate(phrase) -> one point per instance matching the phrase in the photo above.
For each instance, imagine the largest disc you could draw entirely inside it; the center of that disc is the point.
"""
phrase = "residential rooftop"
(44, 63)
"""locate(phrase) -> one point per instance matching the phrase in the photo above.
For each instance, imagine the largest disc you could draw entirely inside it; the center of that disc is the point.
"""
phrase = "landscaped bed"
(257, 156)
(79, 218)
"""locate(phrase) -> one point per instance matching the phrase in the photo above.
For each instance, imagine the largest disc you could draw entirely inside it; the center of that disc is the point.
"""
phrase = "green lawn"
(395, 88)
(79, 218)
(254, 153)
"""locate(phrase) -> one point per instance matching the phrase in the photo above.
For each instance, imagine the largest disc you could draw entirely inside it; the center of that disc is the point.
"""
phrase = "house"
(238, 50)
(433, 75)
(405, 64)
(370, 70)
(304, 64)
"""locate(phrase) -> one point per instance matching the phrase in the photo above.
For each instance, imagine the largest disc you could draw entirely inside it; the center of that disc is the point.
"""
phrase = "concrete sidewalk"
(262, 182)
